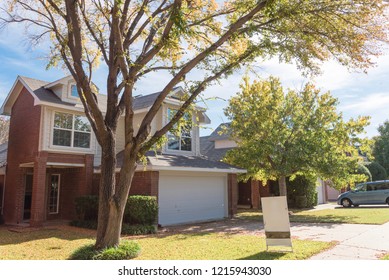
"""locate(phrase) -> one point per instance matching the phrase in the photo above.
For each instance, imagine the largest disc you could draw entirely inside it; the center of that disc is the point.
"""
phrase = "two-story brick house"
(53, 157)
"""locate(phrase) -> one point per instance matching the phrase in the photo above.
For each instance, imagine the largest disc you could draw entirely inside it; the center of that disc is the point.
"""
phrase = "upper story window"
(74, 91)
(181, 138)
(71, 131)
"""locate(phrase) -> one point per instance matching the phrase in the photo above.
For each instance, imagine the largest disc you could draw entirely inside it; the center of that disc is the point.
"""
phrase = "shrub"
(87, 207)
(138, 229)
(377, 171)
(84, 224)
(141, 210)
(125, 251)
(302, 192)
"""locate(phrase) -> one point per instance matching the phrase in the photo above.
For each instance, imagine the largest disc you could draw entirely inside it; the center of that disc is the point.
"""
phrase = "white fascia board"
(61, 164)
(186, 169)
(59, 81)
(18, 79)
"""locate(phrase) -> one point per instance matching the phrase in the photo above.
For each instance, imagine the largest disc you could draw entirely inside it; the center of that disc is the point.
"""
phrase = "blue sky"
(358, 93)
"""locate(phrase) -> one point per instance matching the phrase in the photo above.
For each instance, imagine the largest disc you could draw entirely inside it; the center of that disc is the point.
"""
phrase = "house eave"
(183, 169)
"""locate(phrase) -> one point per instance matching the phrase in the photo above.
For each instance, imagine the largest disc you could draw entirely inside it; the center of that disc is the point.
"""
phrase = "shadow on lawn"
(265, 256)
(11, 235)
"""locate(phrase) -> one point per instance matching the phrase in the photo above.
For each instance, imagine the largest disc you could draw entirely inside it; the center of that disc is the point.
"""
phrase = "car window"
(361, 188)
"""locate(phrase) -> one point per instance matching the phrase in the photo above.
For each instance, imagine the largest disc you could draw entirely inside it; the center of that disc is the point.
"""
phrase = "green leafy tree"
(363, 170)
(285, 133)
(380, 149)
(140, 39)
(377, 171)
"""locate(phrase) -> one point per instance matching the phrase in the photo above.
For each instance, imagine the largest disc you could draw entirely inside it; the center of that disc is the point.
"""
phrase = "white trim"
(59, 188)
(192, 135)
(65, 164)
(198, 169)
(27, 164)
(18, 79)
(71, 147)
(177, 168)
(59, 81)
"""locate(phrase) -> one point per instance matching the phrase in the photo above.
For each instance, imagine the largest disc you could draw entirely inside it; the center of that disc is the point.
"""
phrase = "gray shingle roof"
(219, 133)
(164, 160)
(207, 143)
(46, 95)
(3, 154)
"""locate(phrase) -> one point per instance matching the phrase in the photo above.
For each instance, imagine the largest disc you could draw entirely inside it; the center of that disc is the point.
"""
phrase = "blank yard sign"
(276, 221)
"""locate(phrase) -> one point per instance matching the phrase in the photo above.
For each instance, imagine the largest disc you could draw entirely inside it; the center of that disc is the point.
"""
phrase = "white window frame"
(70, 92)
(58, 192)
(179, 136)
(71, 134)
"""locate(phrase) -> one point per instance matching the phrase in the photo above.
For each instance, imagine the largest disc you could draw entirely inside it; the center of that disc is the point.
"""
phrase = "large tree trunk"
(112, 197)
(282, 185)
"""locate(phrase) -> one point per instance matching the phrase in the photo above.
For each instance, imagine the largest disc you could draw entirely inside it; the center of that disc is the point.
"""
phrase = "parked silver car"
(376, 192)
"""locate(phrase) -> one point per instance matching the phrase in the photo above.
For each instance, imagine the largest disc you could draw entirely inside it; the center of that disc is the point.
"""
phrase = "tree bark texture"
(282, 185)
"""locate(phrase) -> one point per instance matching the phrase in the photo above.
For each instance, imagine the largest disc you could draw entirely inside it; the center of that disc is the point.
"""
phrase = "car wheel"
(387, 200)
(346, 202)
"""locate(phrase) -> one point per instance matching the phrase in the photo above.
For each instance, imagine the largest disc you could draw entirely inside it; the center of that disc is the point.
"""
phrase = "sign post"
(276, 221)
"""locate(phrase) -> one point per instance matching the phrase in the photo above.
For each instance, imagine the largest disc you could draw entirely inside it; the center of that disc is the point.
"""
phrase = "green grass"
(377, 216)
(59, 244)
(219, 246)
(42, 244)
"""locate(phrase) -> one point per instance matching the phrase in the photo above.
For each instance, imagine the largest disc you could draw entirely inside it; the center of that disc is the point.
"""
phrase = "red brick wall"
(1, 191)
(244, 193)
(232, 182)
(22, 148)
(143, 183)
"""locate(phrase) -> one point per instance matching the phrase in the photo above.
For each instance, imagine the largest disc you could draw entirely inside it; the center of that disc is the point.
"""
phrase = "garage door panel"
(184, 199)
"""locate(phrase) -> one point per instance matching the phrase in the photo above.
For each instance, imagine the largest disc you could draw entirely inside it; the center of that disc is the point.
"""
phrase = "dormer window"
(74, 91)
(180, 138)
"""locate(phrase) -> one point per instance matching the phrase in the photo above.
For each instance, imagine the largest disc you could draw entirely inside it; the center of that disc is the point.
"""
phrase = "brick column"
(154, 183)
(232, 194)
(38, 204)
(254, 187)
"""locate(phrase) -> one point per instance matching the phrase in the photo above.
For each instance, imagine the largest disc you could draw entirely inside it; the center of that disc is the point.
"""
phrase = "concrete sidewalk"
(356, 242)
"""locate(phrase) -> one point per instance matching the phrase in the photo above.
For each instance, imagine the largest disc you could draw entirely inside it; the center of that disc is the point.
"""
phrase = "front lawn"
(360, 215)
(219, 246)
(48, 244)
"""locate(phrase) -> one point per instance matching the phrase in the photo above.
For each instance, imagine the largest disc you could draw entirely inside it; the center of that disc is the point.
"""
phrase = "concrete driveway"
(363, 242)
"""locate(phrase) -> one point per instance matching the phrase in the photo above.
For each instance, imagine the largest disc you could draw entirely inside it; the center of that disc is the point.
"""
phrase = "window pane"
(54, 194)
(62, 137)
(81, 123)
(186, 144)
(74, 90)
(81, 140)
(62, 120)
(173, 142)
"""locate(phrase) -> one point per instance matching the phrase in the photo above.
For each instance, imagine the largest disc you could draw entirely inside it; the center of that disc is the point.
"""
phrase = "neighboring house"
(218, 143)
(53, 157)
(214, 147)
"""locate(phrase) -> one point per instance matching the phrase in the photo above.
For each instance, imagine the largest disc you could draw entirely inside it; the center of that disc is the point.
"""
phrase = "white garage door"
(185, 199)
